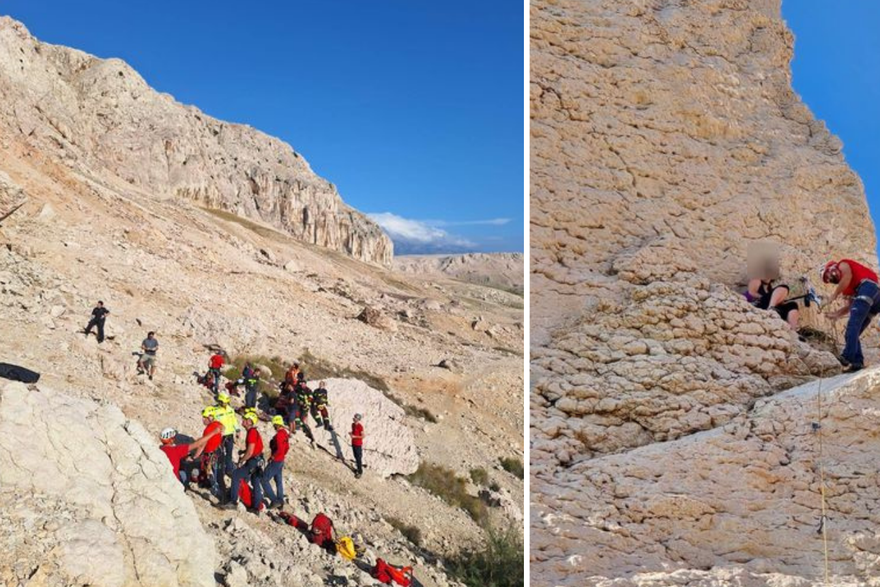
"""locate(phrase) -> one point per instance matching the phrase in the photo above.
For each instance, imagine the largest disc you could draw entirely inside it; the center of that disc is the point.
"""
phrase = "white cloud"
(416, 236)
(490, 222)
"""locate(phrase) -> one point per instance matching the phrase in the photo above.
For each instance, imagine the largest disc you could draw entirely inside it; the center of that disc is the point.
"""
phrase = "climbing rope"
(823, 521)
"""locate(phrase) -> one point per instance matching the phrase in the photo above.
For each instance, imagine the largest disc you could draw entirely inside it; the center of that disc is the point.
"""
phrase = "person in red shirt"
(858, 284)
(279, 445)
(178, 452)
(215, 363)
(211, 462)
(249, 464)
(357, 444)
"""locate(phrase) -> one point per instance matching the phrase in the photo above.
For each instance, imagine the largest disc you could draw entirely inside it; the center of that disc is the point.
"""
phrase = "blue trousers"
(247, 472)
(228, 449)
(250, 396)
(273, 472)
(865, 306)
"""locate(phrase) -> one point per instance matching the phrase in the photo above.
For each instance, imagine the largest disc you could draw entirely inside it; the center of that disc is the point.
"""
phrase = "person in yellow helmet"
(224, 414)
(210, 464)
(250, 466)
(279, 445)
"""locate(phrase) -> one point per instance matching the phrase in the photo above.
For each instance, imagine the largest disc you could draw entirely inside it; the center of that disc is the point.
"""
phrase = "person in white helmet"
(176, 453)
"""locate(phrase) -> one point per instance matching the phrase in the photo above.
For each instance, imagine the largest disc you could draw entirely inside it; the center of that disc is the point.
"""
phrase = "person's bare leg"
(793, 320)
(778, 296)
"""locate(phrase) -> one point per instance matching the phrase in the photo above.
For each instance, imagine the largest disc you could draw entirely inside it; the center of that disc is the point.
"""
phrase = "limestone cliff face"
(101, 118)
(665, 139)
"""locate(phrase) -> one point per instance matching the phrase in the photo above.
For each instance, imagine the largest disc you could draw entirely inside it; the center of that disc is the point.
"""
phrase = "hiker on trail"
(766, 294)
(319, 407)
(210, 455)
(99, 315)
(224, 414)
(251, 379)
(279, 445)
(299, 411)
(215, 363)
(249, 467)
(147, 362)
(178, 452)
(357, 444)
(858, 284)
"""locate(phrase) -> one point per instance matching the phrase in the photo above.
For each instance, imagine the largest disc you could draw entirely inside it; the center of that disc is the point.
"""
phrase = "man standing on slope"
(279, 445)
(319, 407)
(99, 314)
(859, 285)
(210, 455)
(215, 363)
(249, 465)
(357, 444)
(147, 362)
(224, 414)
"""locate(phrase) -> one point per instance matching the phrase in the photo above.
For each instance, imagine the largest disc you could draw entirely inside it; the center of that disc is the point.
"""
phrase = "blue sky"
(836, 71)
(413, 109)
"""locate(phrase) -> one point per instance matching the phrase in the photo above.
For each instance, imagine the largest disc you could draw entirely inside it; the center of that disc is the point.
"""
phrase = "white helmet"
(168, 434)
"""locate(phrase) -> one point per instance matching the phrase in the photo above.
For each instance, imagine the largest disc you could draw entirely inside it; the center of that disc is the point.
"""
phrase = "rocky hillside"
(203, 277)
(666, 139)
(502, 270)
(104, 123)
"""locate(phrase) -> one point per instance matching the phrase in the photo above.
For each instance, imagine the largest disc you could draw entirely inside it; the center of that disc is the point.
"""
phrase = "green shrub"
(479, 476)
(449, 487)
(497, 563)
(513, 466)
(411, 533)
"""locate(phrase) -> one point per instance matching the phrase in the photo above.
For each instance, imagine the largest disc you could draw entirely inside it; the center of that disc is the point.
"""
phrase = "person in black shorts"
(766, 294)
(99, 314)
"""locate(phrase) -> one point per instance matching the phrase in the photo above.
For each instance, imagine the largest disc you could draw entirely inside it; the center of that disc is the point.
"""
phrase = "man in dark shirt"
(99, 314)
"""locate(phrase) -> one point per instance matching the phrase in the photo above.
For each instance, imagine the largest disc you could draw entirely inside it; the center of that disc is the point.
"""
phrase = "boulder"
(124, 518)
(389, 445)
(377, 319)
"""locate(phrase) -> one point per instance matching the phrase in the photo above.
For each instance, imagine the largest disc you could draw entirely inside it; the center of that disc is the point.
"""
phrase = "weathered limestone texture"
(666, 139)
(95, 498)
(104, 120)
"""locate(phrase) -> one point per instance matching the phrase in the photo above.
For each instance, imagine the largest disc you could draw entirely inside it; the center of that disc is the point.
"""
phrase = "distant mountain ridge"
(101, 118)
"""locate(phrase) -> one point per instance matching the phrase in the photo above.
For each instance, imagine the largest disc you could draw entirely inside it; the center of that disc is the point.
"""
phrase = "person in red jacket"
(279, 445)
(210, 455)
(176, 453)
(858, 284)
(249, 464)
(215, 363)
(357, 444)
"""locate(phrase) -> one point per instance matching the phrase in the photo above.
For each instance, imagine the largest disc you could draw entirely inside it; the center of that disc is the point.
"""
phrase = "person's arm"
(204, 440)
(754, 285)
(841, 312)
(248, 453)
(198, 444)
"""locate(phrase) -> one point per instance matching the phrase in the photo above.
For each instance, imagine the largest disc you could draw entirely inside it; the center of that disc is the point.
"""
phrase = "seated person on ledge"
(763, 294)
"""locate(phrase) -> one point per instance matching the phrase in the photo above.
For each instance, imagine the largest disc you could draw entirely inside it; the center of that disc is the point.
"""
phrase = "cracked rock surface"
(665, 139)
(89, 489)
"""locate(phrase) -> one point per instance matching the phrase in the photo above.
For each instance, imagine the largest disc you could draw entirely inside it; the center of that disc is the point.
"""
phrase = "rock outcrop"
(501, 270)
(739, 505)
(94, 498)
(666, 139)
(389, 445)
(106, 123)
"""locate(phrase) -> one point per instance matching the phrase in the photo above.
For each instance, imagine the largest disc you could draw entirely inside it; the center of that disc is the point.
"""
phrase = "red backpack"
(386, 573)
(244, 494)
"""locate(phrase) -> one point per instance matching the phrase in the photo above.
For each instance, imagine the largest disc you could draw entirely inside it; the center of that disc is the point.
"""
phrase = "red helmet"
(825, 270)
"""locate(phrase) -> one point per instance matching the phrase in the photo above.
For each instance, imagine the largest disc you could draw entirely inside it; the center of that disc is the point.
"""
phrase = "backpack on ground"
(386, 573)
(244, 494)
(345, 548)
